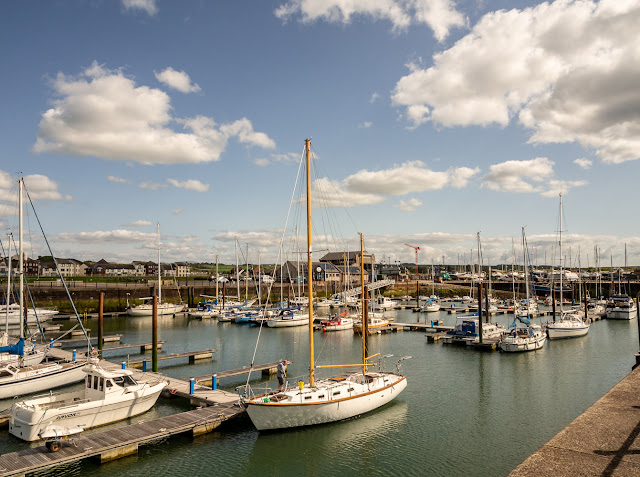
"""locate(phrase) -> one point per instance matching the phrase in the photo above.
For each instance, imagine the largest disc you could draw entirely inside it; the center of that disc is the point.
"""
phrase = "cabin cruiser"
(621, 307)
(108, 396)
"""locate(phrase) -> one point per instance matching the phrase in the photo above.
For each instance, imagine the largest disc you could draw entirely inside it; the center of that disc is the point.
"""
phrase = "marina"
(485, 379)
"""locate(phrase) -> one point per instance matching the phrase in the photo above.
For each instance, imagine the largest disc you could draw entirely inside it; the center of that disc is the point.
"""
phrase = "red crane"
(416, 249)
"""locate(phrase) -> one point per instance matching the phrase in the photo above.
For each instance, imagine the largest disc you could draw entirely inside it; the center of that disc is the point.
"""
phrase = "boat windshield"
(124, 381)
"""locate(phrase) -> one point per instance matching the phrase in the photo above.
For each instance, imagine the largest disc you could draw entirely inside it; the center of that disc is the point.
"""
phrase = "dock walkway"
(604, 440)
(119, 442)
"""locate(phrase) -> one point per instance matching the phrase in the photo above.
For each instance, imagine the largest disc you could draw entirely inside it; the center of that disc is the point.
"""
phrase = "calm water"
(463, 412)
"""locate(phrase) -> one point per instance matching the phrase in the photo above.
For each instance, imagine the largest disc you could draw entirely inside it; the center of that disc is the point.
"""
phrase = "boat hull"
(621, 313)
(67, 374)
(270, 416)
(147, 310)
(561, 332)
(517, 346)
(26, 422)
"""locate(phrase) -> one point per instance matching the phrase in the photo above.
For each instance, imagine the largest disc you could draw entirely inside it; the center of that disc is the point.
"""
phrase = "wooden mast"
(365, 327)
(307, 145)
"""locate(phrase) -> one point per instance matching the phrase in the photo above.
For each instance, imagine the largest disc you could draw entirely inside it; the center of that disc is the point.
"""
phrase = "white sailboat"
(523, 338)
(324, 400)
(146, 308)
(571, 324)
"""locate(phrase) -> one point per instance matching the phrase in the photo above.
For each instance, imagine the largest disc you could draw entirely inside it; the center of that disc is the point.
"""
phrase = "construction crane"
(416, 249)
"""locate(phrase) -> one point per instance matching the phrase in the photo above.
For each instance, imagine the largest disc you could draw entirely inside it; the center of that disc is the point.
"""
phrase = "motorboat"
(468, 331)
(621, 307)
(108, 396)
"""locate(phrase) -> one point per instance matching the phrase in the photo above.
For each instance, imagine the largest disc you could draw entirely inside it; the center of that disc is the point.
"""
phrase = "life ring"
(173, 391)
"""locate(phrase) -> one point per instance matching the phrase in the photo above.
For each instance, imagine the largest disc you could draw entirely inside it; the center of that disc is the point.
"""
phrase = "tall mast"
(20, 258)
(307, 145)
(8, 286)
(246, 279)
(365, 327)
(159, 269)
(237, 271)
(216, 280)
(561, 269)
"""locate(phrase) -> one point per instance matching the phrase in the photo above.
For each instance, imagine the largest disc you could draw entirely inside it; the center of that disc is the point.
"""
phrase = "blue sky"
(431, 121)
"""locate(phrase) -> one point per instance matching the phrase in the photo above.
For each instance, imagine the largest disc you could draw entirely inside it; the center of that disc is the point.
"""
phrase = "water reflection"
(339, 448)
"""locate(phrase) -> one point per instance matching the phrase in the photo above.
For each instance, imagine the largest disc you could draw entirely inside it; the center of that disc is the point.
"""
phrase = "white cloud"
(104, 114)
(108, 236)
(178, 80)
(412, 176)
(191, 184)
(289, 157)
(372, 187)
(38, 186)
(532, 176)
(148, 6)
(567, 70)
(365, 125)
(178, 211)
(374, 98)
(118, 180)
(584, 163)
(262, 162)
(150, 185)
(439, 15)
(409, 205)
(139, 223)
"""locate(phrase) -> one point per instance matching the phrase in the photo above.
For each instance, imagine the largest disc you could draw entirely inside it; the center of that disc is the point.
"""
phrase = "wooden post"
(100, 322)
(553, 300)
(480, 311)
(154, 335)
(586, 314)
(486, 301)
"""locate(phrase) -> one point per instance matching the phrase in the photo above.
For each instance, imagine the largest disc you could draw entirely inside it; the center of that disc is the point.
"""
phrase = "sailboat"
(164, 308)
(324, 400)
(523, 338)
(571, 324)
(25, 375)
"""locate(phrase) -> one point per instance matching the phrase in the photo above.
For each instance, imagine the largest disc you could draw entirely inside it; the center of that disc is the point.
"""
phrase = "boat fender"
(324, 328)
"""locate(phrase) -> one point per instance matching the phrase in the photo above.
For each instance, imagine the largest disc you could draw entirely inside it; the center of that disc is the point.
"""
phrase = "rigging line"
(329, 205)
(64, 283)
(284, 230)
(30, 298)
(341, 201)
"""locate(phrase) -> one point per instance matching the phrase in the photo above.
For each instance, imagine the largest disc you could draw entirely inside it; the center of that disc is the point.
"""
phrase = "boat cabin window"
(109, 383)
(4, 372)
(89, 382)
(124, 381)
(95, 382)
(101, 385)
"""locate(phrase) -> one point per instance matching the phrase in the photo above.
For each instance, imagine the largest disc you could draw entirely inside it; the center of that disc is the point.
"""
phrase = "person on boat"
(281, 373)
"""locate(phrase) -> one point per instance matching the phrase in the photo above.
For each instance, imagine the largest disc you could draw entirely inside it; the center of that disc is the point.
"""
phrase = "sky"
(431, 121)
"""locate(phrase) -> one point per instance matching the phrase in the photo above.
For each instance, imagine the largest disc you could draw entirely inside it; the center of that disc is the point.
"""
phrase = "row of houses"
(74, 268)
